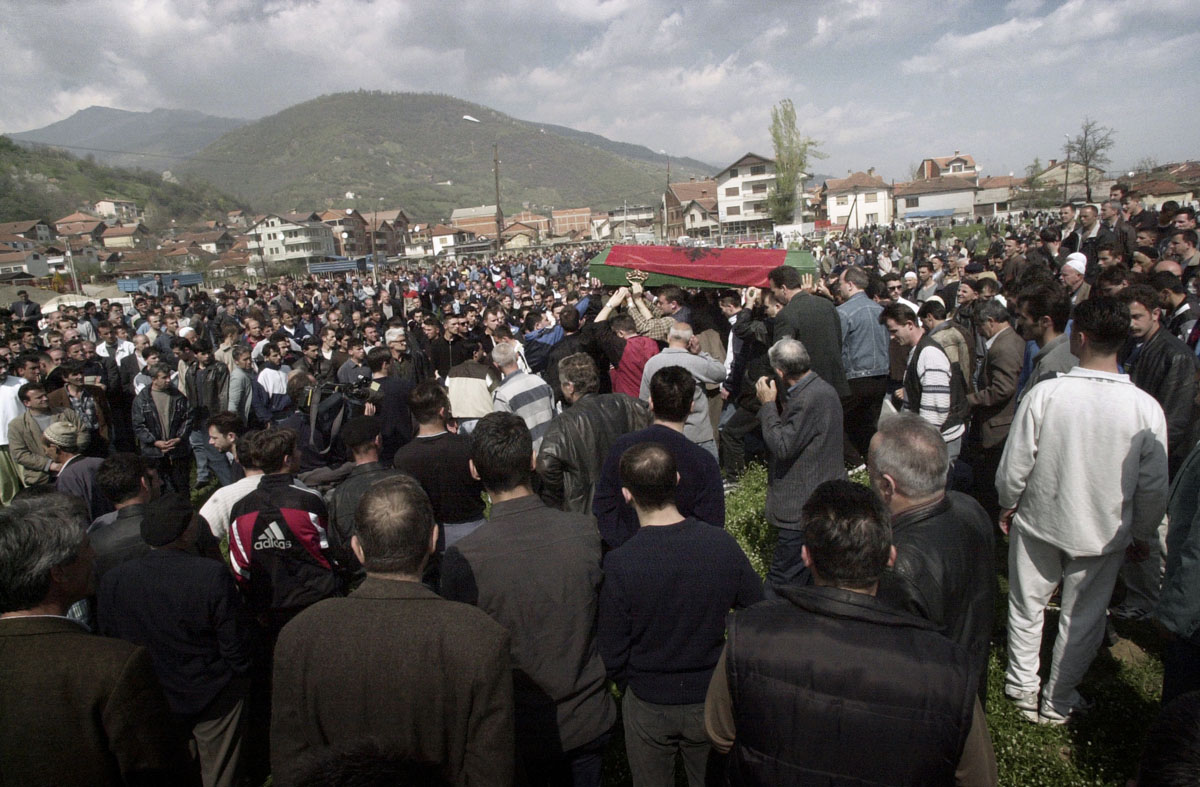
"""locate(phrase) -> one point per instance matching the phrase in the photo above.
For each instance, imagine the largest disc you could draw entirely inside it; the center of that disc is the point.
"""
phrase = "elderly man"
(683, 349)
(76, 709)
(76, 474)
(522, 393)
(945, 561)
(804, 449)
(577, 442)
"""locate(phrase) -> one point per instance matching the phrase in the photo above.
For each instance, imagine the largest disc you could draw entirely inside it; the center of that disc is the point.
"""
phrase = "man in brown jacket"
(422, 678)
(25, 433)
(994, 400)
(75, 709)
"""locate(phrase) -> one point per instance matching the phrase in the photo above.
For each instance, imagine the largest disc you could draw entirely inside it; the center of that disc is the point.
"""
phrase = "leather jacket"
(1166, 369)
(945, 571)
(575, 446)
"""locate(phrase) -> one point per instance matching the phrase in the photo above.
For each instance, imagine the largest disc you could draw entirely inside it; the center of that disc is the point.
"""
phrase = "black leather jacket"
(945, 571)
(1166, 369)
(575, 446)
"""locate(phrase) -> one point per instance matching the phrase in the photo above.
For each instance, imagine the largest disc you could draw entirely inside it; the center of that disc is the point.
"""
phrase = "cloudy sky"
(881, 83)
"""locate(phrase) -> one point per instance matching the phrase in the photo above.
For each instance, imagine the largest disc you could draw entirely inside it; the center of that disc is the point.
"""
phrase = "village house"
(858, 200)
(958, 165)
(289, 238)
(742, 190)
(568, 221)
(349, 231)
(126, 236)
(479, 221)
(35, 230)
(942, 197)
(691, 208)
(122, 210)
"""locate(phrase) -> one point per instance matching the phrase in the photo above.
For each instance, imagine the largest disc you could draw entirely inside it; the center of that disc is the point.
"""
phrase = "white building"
(742, 190)
(121, 209)
(292, 237)
(858, 200)
(445, 238)
(936, 198)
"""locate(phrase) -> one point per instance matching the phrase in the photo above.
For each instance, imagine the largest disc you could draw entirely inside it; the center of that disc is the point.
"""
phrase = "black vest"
(958, 385)
(833, 687)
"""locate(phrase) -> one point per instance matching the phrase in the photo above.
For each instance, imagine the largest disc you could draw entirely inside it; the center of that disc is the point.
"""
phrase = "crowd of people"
(442, 514)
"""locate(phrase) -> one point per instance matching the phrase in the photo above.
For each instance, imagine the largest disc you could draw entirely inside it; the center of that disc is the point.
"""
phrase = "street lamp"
(496, 171)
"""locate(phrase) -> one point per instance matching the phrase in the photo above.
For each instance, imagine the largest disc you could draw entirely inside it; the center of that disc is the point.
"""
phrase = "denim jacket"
(864, 340)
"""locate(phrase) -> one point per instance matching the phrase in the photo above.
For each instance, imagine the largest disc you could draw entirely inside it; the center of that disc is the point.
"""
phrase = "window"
(732, 191)
(1001, 206)
(872, 197)
(912, 202)
(759, 188)
(733, 172)
(759, 169)
(956, 167)
(872, 218)
(734, 210)
(841, 200)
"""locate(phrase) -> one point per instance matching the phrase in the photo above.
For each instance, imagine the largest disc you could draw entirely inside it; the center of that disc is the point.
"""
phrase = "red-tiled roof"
(77, 217)
(702, 191)
(1001, 182)
(17, 227)
(944, 161)
(859, 180)
(1160, 187)
(123, 231)
(934, 186)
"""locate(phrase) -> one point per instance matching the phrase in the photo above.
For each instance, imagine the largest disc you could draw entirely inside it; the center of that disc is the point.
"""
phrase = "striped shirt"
(530, 398)
(933, 371)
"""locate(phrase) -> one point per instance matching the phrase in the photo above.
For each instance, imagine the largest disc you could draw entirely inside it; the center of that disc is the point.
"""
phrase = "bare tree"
(792, 152)
(1145, 165)
(1090, 149)
(915, 171)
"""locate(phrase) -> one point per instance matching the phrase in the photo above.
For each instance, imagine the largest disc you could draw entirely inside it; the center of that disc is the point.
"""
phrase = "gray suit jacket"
(423, 677)
(804, 447)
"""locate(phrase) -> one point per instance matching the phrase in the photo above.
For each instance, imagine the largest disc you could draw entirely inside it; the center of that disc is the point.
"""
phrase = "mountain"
(157, 140)
(416, 151)
(47, 184)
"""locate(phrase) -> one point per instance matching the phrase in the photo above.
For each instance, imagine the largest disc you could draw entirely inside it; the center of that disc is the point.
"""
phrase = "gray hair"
(35, 536)
(393, 334)
(680, 332)
(992, 310)
(790, 357)
(504, 354)
(912, 451)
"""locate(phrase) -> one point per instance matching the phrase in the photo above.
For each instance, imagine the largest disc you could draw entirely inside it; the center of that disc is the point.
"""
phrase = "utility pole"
(1067, 177)
(499, 213)
(665, 240)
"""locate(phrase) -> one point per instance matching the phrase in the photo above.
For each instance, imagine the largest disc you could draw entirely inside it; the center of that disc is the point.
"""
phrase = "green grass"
(1125, 681)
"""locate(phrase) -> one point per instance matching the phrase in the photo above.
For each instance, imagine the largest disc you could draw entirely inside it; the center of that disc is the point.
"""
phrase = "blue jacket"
(864, 340)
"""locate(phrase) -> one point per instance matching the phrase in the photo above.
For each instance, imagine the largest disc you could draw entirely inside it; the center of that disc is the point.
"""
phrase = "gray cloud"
(880, 83)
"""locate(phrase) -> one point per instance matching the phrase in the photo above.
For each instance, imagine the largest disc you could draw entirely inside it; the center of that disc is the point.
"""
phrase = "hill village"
(112, 237)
